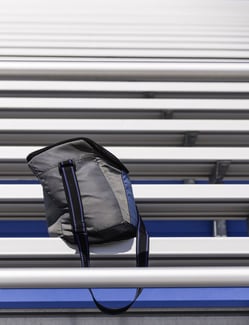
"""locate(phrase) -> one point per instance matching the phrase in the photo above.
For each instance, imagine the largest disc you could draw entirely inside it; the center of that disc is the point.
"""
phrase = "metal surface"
(147, 162)
(124, 277)
(24, 85)
(149, 154)
(132, 138)
(131, 53)
(128, 132)
(123, 125)
(129, 104)
(147, 192)
(160, 248)
(172, 71)
(155, 201)
(33, 209)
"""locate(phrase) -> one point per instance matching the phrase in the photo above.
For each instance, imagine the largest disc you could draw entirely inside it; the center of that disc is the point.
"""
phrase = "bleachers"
(165, 87)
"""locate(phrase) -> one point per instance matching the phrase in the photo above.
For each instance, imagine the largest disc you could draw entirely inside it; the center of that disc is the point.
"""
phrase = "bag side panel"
(114, 178)
(101, 208)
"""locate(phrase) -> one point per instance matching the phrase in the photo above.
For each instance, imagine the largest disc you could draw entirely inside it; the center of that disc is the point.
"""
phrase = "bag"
(88, 199)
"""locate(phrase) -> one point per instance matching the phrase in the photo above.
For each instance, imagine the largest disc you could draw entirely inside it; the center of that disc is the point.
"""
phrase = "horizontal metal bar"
(124, 277)
(163, 192)
(121, 37)
(137, 21)
(31, 209)
(125, 27)
(133, 132)
(119, 31)
(54, 252)
(122, 125)
(224, 138)
(92, 15)
(160, 248)
(95, 17)
(191, 191)
(150, 154)
(157, 53)
(25, 201)
(230, 15)
(131, 45)
(124, 108)
(36, 125)
(155, 71)
(178, 154)
(147, 162)
(67, 86)
(114, 104)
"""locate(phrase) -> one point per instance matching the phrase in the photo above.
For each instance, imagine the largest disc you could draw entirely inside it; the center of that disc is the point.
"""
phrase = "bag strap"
(76, 211)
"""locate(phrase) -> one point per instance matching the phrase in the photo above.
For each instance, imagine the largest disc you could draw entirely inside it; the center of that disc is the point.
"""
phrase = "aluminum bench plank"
(173, 251)
(137, 71)
(146, 192)
(229, 45)
(146, 30)
(94, 17)
(155, 201)
(183, 104)
(147, 162)
(127, 52)
(124, 105)
(120, 37)
(123, 125)
(160, 247)
(238, 54)
(66, 86)
(236, 276)
(33, 209)
(151, 154)
(133, 132)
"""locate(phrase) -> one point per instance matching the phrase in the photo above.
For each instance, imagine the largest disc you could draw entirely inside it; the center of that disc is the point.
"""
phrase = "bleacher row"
(170, 98)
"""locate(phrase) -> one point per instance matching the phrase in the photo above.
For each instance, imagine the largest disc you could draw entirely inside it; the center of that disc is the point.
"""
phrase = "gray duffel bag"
(88, 199)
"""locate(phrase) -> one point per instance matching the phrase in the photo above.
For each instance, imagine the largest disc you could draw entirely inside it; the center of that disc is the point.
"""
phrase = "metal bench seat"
(155, 201)
(55, 252)
(122, 69)
(123, 278)
(124, 104)
(122, 86)
(126, 132)
(149, 163)
(103, 99)
(146, 192)
(130, 104)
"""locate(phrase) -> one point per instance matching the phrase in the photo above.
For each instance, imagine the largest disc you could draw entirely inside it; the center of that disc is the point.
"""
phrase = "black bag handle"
(76, 211)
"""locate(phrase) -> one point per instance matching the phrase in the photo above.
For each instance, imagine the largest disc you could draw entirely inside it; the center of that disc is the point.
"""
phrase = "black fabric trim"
(122, 231)
(76, 211)
(106, 154)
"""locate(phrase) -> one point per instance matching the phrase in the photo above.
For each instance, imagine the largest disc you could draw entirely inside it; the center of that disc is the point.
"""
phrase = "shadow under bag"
(88, 200)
